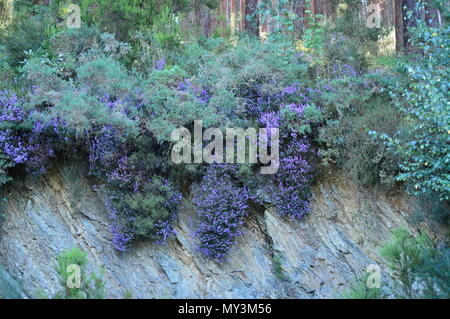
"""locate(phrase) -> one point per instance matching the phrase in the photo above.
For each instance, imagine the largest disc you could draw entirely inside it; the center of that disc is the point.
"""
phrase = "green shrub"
(91, 285)
(360, 290)
(352, 108)
(424, 142)
(26, 32)
(420, 268)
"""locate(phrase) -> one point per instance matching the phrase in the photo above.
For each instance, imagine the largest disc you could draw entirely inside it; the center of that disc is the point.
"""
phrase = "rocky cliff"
(274, 258)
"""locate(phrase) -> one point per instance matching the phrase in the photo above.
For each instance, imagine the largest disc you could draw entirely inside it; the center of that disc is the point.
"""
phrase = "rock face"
(274, 257)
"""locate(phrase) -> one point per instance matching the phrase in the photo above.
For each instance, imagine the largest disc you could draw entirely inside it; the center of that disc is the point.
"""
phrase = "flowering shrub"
(291, 112)
(147, 212)
(290, 186)
(221, 207)
(32, 147)
(85, 100)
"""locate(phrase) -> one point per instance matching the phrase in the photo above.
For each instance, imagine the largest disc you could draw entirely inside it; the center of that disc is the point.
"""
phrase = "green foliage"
(253, 62)
(423, 98)
(81, 108)
(353, 106)
(313, 36)
(25, 33)
(348, 40)
(360, 290)
(152, 205)
(280, 18)
(278, 266)
(431, 208)
(124, 17)
(420, 268)
(84, 82)
(5, 164)
(91, 285)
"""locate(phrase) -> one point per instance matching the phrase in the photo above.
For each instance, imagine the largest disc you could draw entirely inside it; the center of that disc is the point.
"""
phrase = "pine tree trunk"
(252, 26)
(433, 17)
(398, 24)
(299, 9)
(409, 22)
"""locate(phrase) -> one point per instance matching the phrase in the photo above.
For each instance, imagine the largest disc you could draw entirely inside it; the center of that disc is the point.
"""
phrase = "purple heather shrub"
(160, 64)
(41, 153)
(270, 119)
(43, 141)
(112, 104)
(148, 212)
(184, 85)
(121, 234)
(296, 108)
(14, 146)
(121, 237)
(290, 187)
(107, 158)
(221, 207)
(173, 198)
(200, 94)
(344, 70)
(33, 150)
(120, 173)
(11, 109)
(259, 101)
(291, 89)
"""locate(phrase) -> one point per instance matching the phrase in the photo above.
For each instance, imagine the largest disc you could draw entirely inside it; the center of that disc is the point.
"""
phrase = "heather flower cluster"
(147, 212)
(221, 206)
(33, 147)
(221, 201)
(344, 70)
(201, 94)
(10, 108)
(288, 189)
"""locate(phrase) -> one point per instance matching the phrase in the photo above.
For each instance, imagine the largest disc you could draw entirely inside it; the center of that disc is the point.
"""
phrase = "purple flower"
(160, 64)
(219, 217)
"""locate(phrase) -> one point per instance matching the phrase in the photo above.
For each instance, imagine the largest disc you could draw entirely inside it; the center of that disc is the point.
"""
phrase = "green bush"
(359, 290)
(26, 32)
(424, 142)
(352, 108)
(91, 285)
(421, 268)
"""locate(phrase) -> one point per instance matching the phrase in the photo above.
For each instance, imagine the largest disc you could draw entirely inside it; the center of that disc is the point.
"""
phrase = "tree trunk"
(433, 17)
(409, 21)
(252, 25)
(6, 12)
(299, 9)
(398, 24)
